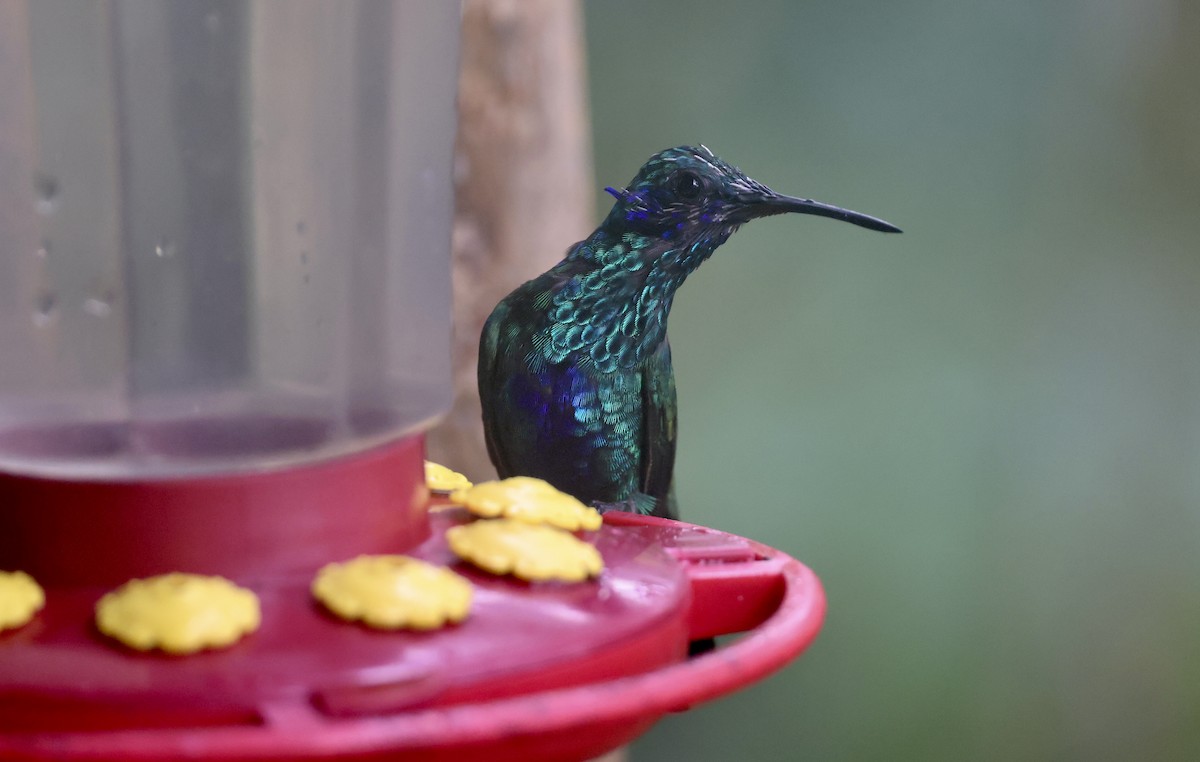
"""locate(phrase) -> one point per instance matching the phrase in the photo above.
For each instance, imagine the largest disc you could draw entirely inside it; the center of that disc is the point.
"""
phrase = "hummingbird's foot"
(640, 503)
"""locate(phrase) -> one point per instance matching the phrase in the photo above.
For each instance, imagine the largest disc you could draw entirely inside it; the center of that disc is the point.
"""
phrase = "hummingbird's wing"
(658, 430)
(577, 428)
(492, 375)
(605, 436)
(563, 422)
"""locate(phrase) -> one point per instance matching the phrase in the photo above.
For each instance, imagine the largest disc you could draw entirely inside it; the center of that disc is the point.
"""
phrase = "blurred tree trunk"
(522, 180)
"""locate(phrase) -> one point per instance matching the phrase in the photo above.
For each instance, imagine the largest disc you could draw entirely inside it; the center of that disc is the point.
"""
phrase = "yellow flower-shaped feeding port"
(20, 598)
(178, 613)
(393, 592)
(528, 551)
(438, 478)
(530, 500)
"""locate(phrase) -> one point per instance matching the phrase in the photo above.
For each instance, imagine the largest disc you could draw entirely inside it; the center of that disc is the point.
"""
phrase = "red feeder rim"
(736, 585)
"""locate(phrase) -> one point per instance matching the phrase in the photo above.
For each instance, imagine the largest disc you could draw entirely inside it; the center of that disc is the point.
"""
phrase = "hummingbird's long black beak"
(767, 204)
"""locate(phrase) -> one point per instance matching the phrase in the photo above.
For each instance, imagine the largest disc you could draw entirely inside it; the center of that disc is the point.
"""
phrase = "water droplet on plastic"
(98, 306)
(47, 194)
(301, 227)
(44, 307)
(306, 278)
(304, 257)
(164, 249)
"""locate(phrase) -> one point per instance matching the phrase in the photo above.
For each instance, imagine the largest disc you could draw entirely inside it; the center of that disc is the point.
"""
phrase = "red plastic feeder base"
(537, 672)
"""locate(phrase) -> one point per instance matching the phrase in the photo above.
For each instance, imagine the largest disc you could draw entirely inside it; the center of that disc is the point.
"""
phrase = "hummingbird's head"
(688, 193)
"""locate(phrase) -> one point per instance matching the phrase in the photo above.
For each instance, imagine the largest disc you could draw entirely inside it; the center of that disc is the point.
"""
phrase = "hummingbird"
(575, 372)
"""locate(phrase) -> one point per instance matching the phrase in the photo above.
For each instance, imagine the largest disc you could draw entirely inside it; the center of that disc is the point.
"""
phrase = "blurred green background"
(983, 434)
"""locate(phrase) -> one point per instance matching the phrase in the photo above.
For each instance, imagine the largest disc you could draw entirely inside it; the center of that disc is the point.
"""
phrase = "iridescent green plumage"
(574, 366)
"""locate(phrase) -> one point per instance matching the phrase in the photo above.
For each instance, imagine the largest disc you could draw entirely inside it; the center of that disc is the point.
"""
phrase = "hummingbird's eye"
(687, 185)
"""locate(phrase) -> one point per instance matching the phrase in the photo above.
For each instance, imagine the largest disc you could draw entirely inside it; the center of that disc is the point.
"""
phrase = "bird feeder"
(224, 324)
